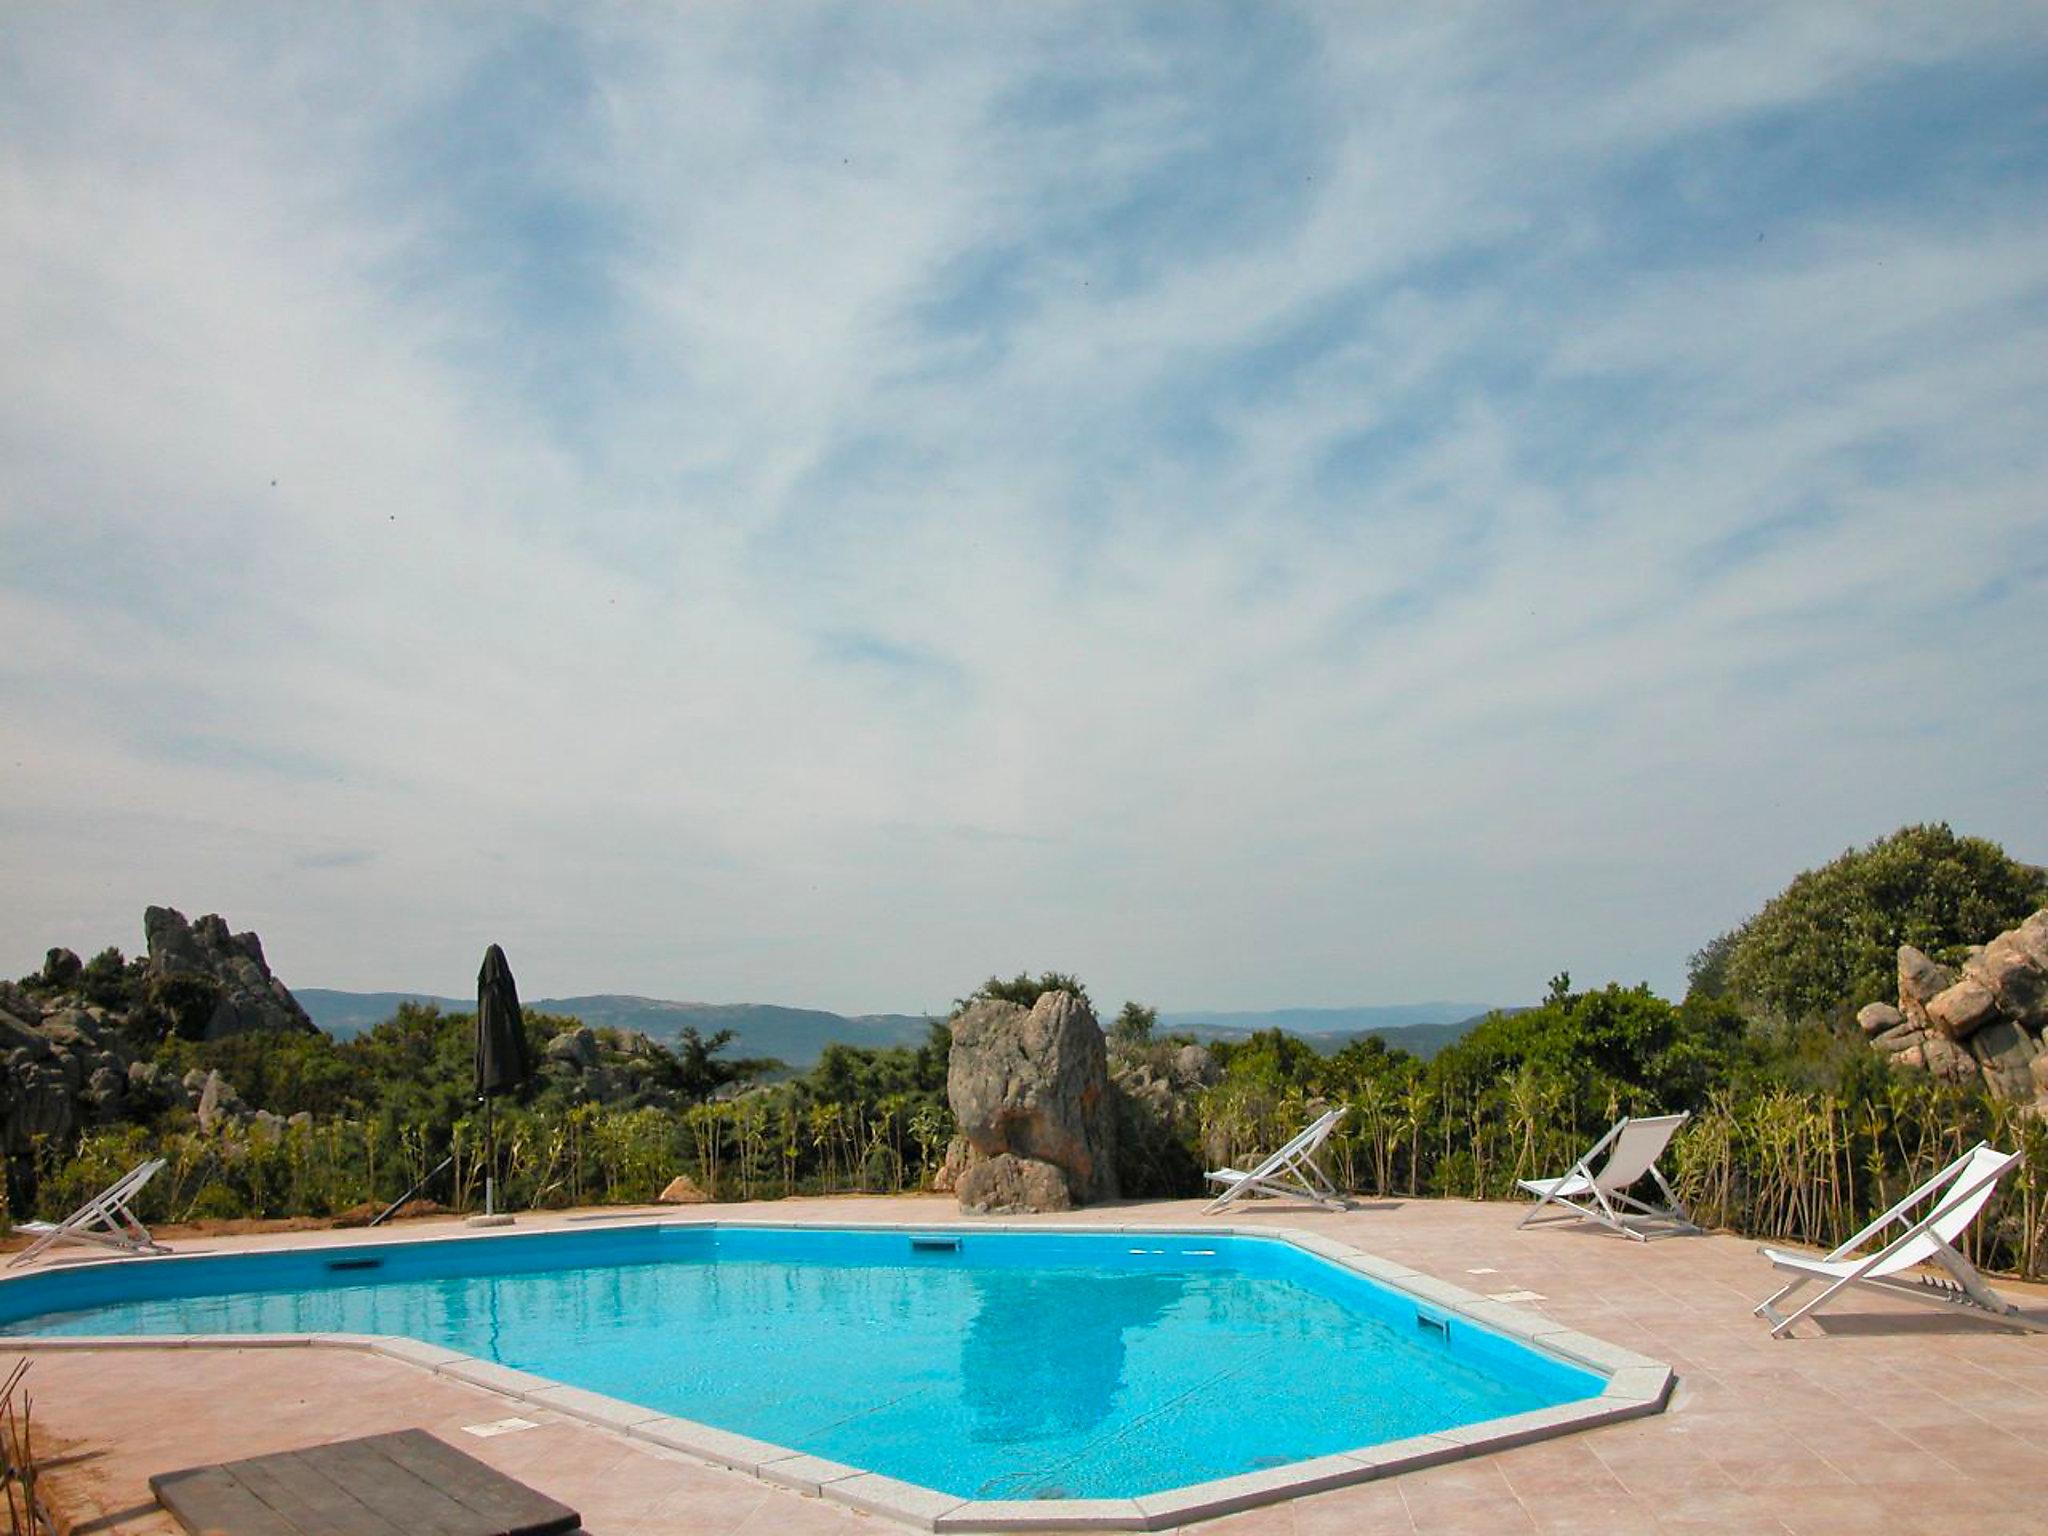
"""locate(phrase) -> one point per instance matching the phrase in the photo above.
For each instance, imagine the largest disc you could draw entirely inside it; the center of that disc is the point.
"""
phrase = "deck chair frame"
(1289, 1174)
(105, 1221)
(1612, 1207)
(1881, 1270)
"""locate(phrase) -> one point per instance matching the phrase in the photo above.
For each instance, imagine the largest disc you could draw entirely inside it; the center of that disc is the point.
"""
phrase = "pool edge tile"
(63, 1341)
(1508, 1317)
(1386, 1271)
(706, 1442)
(1440, 1294)
(494, 1377)
(1515, 1429)
(806, 1473)
(1651, 1383)
(877, 1494)
(1045, 1515)
(1604, 1358)
(1408, 1455)
(593, 1407)
(1248, 1490)
(412, 1351)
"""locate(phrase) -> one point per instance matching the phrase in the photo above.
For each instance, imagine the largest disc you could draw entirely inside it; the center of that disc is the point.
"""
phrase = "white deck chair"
(1955, 1196)
(1632, 1148)
(1290, 1173)
(105, 1220)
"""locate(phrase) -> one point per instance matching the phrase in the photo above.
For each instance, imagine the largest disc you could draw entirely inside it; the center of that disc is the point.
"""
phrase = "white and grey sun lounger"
(1632, 1148)
(104, 1220)
(1290, 1173)
(1954, 1198)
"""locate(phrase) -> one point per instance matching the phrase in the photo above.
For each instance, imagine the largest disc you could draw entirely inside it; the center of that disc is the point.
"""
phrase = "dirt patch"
(76, 1493)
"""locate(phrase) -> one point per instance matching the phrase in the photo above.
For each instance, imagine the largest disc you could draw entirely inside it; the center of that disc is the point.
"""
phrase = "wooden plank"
(402, 1497)
(505, 1506)
(295, 1485)
(214, 1499)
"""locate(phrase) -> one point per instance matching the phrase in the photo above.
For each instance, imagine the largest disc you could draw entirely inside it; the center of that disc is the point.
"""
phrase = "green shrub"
(1829, 942)
(1024, 989)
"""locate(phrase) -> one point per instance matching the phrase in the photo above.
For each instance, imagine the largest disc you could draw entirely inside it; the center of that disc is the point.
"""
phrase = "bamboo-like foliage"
(27, 1514)
(757, 1147)
(1777, 1147)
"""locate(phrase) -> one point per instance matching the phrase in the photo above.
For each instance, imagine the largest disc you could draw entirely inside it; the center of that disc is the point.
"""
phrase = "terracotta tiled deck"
(1894, 1419)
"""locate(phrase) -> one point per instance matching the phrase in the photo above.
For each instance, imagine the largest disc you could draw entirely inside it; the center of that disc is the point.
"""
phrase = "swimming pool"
(985, 1365)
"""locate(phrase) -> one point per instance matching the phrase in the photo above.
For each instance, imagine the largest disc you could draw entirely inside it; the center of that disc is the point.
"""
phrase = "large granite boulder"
(38, 1104)
(250, 998)
(219, 1104)
(1006, 1185)
(1963, 1009)
(60, 1070)
(1986, 1024)
(2015, 977)
(1921, 980)
(1034, 1085)
(575, 1048)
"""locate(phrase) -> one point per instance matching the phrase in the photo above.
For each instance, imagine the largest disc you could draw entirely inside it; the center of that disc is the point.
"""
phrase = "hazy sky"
(1255, 505)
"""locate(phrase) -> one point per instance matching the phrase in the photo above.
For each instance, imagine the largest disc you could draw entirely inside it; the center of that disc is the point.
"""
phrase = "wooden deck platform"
(404, 1484)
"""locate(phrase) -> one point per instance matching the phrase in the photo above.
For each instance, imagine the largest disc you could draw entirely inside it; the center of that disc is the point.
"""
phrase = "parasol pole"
(490, 1160)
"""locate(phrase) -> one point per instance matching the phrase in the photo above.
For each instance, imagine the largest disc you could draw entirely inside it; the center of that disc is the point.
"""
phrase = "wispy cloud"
(337, 858)
(1288, 500)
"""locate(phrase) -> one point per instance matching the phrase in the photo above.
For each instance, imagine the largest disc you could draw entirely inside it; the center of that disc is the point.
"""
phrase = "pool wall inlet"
(1633, 1385)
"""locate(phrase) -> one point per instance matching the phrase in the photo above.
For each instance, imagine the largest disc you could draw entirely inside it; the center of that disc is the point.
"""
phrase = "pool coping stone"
(1635, 1386)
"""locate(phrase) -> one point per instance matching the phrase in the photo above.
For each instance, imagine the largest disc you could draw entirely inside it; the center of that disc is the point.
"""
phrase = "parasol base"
(499, 1219)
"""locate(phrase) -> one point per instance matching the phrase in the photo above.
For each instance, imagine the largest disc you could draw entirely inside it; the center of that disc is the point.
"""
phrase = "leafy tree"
(1622, 1044)
(182, 1004)
(1132, 1028)
(1369, 1057)
(1706, 973)
(1829, 942)
(936, 1054)
(1024, 989)
(698, 1071)
(1269, 1058)
(111, 981)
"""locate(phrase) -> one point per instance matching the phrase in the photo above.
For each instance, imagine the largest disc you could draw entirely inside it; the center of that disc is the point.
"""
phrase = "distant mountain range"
(797, 1036)
(1420, 1028)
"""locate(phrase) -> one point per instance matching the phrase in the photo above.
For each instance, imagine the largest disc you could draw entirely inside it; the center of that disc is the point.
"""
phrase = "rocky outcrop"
(575, 1048)
(610, 1066)
(248, 998)
(68, 1063)
(61, 968)
(1031, 1085)
(219, 1104)
(1164, 1080)
(1005, 1185)
(1986, 1024)
(64, 1071)
(1158, 1093)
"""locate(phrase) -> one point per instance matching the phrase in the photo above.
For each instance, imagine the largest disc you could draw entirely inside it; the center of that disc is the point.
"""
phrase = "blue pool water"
(1012, 1365)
